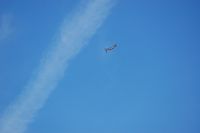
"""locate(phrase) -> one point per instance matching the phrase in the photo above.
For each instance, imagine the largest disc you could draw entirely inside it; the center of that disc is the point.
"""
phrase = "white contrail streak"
(71, 38)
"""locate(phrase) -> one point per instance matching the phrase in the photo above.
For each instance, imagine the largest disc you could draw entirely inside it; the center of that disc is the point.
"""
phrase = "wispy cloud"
(5, 26)
(72, 37)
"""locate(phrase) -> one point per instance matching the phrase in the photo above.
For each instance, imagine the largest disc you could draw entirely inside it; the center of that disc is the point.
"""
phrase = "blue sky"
(149, 84)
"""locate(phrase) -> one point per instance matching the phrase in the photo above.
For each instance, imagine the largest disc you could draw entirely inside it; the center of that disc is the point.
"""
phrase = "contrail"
(72, 36)
(5, 26)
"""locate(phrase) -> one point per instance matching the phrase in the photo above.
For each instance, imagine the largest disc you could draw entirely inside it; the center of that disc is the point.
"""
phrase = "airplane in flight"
(110, 48)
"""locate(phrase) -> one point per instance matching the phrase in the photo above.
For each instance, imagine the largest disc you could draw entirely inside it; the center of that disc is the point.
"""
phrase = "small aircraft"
(110, 48)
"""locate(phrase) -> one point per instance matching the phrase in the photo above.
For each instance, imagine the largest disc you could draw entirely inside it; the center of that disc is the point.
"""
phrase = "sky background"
(149, 84)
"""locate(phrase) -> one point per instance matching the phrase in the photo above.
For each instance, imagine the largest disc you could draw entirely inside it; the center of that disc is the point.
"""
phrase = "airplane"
(110, 48)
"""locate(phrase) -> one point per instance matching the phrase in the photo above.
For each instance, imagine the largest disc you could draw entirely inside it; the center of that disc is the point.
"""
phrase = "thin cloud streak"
(72, 37)
(5, 26)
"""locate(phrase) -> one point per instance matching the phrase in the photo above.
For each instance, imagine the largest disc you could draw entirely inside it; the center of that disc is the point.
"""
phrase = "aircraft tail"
(106, 50)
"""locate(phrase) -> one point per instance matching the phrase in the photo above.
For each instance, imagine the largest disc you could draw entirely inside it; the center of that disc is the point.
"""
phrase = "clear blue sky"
(149, 84)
